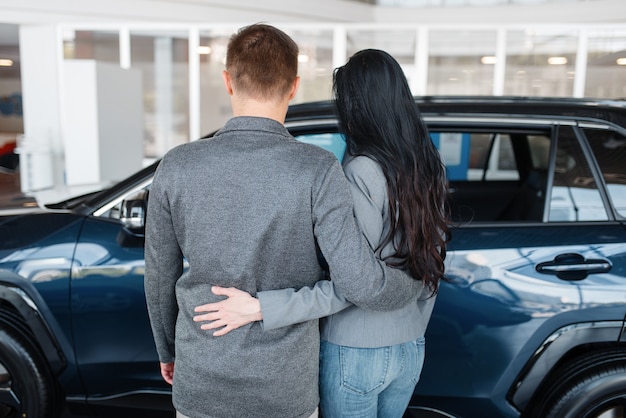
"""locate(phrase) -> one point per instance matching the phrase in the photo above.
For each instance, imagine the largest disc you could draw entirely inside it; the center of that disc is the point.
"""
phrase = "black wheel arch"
(25, 311)
(563, 347)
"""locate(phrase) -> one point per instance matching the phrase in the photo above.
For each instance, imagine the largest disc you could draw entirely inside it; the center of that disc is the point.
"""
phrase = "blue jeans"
(368, 382)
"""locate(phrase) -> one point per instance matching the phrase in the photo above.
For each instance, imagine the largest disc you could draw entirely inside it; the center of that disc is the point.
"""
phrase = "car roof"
(610, 110)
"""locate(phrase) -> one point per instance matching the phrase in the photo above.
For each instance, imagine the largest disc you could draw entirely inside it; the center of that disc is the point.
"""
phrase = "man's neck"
(264, 109)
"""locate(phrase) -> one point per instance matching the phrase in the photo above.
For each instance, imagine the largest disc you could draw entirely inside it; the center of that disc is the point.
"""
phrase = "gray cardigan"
(246, 209)
(347, 324)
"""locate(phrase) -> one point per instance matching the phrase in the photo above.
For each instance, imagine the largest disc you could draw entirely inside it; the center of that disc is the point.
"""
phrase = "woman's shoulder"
(366, 174)
(362, 166)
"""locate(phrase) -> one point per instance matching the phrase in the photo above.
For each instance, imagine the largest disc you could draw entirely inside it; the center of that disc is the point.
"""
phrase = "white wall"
(103, 122)
(41, 160)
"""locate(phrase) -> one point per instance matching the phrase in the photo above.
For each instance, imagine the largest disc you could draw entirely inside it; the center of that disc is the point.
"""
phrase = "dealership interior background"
(91, 91)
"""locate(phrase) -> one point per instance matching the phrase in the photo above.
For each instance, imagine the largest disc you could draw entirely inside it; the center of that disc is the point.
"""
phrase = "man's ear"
(294, 88)
(227, 82)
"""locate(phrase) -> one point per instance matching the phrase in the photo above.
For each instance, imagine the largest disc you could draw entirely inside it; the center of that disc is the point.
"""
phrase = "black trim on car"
(553, 349)
(26, 302)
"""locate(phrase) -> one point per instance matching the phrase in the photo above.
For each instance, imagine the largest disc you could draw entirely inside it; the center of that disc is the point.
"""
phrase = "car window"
(477, 155)
(494, 174)
(609, 148)
(333, 142)
(575, 195)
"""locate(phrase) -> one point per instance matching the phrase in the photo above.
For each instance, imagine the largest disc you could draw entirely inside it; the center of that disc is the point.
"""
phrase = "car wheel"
(26, 386)
(593, 386)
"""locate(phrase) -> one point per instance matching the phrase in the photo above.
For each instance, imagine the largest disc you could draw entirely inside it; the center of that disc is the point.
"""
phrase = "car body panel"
(500, 309)
(112, 332)
(520, 294)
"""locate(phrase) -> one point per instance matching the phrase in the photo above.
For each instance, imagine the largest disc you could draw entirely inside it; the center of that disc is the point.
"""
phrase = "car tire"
(25, 377)
(586, 387)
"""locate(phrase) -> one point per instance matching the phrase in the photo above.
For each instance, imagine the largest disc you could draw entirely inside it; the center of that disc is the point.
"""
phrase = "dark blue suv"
(531, 322)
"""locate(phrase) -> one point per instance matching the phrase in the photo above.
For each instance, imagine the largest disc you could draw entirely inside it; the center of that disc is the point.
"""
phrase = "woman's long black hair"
(380, 119)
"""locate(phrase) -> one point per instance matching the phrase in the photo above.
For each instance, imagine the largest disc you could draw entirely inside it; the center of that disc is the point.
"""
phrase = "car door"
(527, 257)
(530, 216)
(113, 340)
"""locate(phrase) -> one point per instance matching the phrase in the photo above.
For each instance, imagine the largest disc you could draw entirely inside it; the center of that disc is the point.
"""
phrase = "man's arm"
(164, 265)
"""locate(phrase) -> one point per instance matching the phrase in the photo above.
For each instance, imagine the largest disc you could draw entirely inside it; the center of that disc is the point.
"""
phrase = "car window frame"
(595, 165)
(460, 123)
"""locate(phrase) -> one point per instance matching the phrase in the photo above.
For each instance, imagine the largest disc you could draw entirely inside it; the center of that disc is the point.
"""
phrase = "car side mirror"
(134, 209)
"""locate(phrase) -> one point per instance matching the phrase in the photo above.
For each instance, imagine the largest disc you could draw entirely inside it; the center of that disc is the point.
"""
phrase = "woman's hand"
(238, 309)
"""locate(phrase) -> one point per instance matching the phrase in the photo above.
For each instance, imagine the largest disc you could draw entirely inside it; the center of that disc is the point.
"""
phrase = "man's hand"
(167, 371)
(237, 310)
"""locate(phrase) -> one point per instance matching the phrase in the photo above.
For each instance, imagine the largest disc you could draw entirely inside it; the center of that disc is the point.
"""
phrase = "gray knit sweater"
(344, 323)
(246, 209)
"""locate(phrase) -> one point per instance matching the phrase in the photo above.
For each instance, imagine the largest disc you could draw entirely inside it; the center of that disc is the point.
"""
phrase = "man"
(247, 209)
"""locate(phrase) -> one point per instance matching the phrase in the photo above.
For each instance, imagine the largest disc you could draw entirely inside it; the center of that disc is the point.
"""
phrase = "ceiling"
(328, 11)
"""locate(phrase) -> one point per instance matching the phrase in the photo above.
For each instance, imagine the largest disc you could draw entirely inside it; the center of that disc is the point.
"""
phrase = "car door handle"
(573, 266)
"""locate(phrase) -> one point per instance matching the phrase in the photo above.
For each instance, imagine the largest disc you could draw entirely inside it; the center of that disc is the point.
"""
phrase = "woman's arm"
(276, 308)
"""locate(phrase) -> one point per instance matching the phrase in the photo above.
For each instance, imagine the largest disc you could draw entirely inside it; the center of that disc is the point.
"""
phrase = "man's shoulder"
(308, 151)
(186, 149)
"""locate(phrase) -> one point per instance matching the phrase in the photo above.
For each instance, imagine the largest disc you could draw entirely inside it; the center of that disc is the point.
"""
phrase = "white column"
(194, 84)
(41, 148)
(580, 77)
(419, 81)
(340, 49)
(124, 40)
(163, 89)
(499, 70)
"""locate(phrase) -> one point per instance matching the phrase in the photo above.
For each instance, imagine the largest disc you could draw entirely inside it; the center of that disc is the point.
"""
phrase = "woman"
(399, 188)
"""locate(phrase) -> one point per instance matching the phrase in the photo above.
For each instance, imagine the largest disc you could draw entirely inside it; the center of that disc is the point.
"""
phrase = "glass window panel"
(457, 63)
(162, 58)
(487, 184)
(504, 160)
(215, 107)
(539, 151)
(609, 148)
(540, 62)
(490, 156)
(92, 45)
(400, 44)
(606, 64)
(575, 196)
(315, 64)
(314, 69)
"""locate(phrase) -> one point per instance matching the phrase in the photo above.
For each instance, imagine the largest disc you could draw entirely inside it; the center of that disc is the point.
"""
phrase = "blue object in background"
(333, 142)
(454, 150)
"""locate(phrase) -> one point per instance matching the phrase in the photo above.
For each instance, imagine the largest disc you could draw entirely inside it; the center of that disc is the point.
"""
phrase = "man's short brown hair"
(262, 61)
